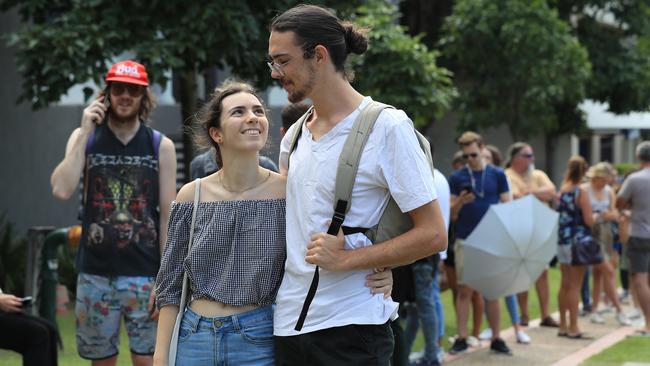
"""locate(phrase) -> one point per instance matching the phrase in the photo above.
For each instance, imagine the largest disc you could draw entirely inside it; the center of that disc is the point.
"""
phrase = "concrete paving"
(547, 348)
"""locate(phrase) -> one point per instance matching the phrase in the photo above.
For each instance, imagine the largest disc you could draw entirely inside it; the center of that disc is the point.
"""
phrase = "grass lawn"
(635, 349)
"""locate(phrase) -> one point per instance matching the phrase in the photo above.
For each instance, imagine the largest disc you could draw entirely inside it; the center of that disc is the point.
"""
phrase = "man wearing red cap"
(129, 181)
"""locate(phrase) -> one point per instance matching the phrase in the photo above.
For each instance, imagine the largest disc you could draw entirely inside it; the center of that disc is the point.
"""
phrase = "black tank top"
(120, 205)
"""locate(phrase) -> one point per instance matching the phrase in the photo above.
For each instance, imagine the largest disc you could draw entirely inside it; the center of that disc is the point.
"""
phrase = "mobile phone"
(107, 102)
(466, 188)
(27, 300)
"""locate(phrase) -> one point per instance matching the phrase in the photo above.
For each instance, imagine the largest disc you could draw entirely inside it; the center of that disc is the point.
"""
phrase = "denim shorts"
(242, 339)
(101, 303)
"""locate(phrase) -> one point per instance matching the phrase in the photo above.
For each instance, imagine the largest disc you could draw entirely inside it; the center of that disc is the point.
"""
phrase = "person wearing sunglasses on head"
(474, 188)
(525, 179)
(129, 181)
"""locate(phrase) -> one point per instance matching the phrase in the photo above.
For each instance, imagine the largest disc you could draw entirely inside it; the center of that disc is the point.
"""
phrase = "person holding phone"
(129, 181)
(34, 338)
(474, 188)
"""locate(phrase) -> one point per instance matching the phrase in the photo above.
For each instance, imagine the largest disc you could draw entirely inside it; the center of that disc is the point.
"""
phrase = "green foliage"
(517, 64)
(13, 256)
(63, 43)
(624, 168)
(620, 59)
(399, 69)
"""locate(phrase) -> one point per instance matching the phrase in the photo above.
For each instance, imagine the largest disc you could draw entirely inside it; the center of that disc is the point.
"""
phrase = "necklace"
(243, 190)
(480, 193)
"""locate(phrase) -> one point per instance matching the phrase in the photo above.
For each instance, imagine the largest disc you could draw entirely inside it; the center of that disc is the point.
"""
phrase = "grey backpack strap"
(351, 156)
(296, 134)
(345, 176)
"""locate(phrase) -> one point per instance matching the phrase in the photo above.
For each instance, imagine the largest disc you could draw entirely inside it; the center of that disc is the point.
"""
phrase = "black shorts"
(352, 345)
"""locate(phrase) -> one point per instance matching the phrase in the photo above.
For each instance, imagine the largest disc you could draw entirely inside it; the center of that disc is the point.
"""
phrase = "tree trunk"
(188, 100)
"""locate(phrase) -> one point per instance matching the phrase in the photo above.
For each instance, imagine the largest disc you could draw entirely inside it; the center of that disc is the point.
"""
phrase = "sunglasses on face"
(527, 156)
(133, 89)
(472, 155)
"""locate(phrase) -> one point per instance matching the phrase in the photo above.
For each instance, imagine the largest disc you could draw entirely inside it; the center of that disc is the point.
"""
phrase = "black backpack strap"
(345, 176)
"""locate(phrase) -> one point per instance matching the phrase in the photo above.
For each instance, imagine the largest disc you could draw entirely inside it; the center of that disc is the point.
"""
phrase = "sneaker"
(499, 346)
(522, 337)
(596, 318)
(606, 309)
(625, 297)
(414, 356)
(473, 341)
(440, 355)
(623, 319)
(634, 314)
(424, 362)
(460, 346)
(485, 335)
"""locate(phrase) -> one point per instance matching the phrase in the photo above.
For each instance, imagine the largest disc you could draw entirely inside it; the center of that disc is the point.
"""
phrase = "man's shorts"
(101, 303)
(638, 252)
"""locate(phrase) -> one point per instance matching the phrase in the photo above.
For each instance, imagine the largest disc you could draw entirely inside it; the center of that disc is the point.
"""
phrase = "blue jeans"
(424, 311)
(440, 310)
(242, 339)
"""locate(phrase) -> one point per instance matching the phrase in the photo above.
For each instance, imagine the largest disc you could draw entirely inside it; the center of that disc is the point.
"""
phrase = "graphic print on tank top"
(119, 194)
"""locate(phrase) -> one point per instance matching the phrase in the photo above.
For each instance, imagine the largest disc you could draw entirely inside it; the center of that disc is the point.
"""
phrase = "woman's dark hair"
(314, 25)
(210, 114)
(514, 150)
(575, 170)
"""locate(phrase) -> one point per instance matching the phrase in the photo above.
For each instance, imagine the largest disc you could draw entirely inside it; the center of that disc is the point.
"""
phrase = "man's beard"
(123, 119)
(300, 94)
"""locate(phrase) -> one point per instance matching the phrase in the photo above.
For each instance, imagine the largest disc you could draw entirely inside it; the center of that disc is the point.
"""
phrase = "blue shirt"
(487, 193)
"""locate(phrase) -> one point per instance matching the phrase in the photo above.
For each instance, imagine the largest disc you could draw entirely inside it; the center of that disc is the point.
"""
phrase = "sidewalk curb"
(595, 347)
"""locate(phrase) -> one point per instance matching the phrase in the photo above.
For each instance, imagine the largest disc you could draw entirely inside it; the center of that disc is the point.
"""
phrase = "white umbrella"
(510, 247)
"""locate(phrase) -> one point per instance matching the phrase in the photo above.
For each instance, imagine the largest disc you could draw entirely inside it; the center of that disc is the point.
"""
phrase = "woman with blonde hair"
(603, 206)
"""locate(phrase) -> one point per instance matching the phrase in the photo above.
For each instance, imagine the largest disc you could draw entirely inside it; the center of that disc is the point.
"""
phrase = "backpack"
(393, 221)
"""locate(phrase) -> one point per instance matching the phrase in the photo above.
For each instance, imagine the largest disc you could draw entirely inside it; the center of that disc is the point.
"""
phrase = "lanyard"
(480, 193)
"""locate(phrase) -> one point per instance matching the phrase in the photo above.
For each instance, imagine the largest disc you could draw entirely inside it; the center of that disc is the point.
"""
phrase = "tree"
(398, 68)
(517, 62)
(68, 42)
(615, 34)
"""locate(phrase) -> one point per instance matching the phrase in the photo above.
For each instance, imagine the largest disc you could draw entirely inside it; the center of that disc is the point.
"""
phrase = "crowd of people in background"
(593, 203)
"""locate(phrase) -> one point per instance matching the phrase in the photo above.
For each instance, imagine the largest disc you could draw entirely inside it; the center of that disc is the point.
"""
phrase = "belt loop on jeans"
(235, 322)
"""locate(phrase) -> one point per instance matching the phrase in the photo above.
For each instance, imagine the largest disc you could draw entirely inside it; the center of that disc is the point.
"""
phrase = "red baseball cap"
(128, 72)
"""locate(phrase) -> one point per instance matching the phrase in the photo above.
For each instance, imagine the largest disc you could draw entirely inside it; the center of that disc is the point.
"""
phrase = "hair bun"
(355, 39)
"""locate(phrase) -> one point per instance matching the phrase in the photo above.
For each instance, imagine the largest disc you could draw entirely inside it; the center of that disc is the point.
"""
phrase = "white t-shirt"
(444, 200)
(391, 161)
